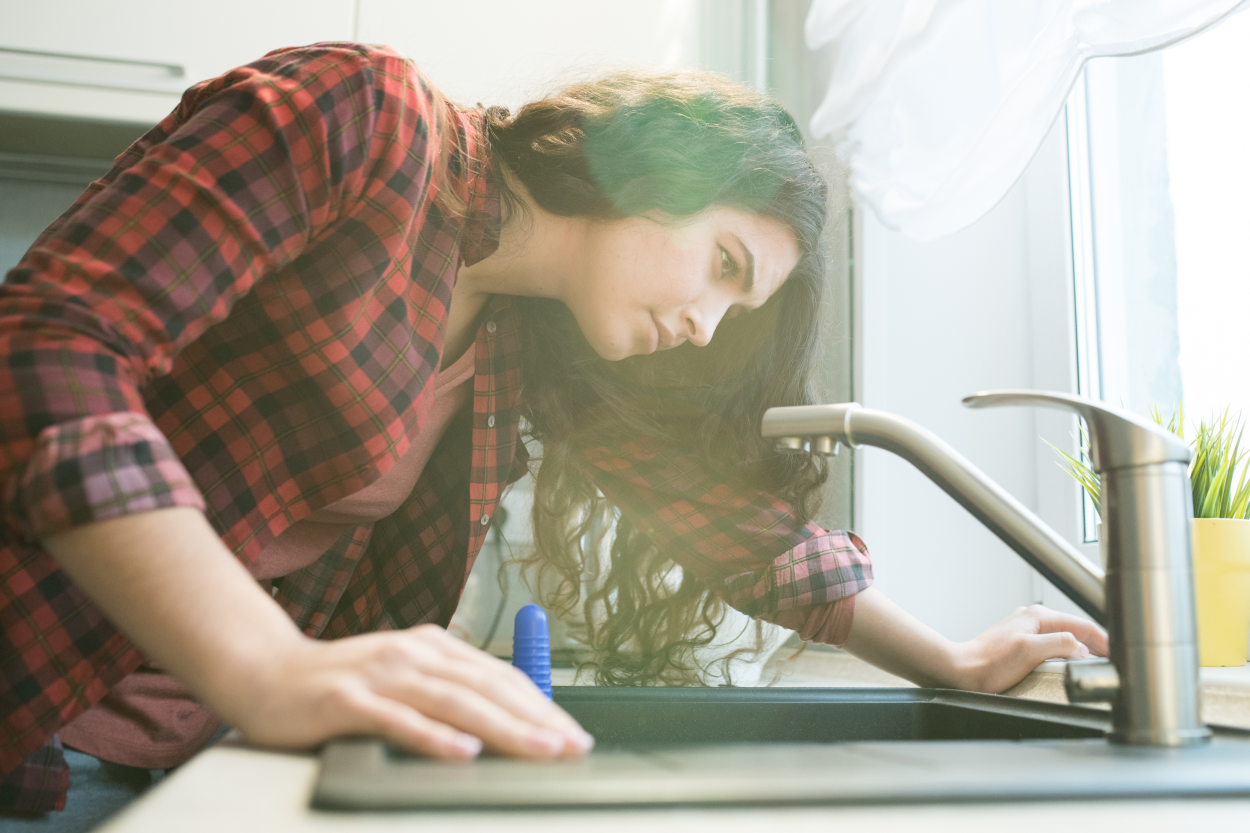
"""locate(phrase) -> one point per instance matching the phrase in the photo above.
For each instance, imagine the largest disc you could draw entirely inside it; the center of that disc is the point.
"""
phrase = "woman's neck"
(535, 256)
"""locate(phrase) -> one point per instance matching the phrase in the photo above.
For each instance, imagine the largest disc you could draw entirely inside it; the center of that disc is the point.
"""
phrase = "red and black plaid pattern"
(39, 783)
(242, 316)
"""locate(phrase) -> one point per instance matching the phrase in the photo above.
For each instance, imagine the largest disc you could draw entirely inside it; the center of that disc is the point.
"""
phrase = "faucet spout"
(1039, 545)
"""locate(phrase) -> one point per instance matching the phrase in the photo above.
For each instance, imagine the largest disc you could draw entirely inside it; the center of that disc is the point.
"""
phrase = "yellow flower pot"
(1222, 588)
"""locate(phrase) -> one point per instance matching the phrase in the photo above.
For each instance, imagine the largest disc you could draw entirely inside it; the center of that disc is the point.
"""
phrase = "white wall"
(982, 309)
(528, 48)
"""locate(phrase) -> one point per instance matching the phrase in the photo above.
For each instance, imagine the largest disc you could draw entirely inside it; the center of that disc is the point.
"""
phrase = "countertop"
(1225, 691)
(230, 787)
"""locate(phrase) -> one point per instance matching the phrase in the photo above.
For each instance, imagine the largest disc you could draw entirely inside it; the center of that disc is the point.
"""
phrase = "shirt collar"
(483, 216)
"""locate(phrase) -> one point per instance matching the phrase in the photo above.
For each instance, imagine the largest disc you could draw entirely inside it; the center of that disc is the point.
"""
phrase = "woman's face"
(644, 285)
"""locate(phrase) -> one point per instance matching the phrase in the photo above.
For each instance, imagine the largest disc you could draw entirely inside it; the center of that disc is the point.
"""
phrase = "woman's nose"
(699, 326)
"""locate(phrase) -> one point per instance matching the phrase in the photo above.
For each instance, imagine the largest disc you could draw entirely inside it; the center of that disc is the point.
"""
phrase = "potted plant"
(1220, 476)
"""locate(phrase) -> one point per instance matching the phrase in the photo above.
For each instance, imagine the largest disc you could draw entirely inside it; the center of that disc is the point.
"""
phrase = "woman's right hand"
(169, 584)
(421, 689)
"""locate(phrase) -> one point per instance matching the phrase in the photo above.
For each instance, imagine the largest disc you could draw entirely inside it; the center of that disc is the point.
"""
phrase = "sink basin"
(686, 746)
(646, 718)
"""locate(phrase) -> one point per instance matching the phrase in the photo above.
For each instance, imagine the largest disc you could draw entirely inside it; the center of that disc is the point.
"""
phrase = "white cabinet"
(129, 60)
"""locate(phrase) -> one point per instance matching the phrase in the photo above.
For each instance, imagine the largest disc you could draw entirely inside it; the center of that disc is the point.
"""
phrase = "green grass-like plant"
(1218, 462)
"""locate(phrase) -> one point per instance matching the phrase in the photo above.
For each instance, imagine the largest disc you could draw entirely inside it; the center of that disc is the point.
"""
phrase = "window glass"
(1206, 85)
(1159, 153)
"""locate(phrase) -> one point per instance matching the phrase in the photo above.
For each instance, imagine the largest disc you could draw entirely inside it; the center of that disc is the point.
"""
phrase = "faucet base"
(1184, 737)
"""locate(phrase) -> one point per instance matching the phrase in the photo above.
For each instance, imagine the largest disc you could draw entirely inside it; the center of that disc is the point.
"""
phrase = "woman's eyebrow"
(748, 280)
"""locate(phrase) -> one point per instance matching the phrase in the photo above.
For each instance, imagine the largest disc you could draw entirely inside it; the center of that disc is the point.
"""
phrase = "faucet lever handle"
(1117, 438)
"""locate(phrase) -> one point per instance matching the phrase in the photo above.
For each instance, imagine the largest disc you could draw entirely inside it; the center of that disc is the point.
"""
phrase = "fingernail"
(584, 741)
(550, 742)
(1084, 650)
(467, 745)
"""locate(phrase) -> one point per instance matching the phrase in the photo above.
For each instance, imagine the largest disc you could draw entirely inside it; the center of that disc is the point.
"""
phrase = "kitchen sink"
(689, 746)
(644, 718)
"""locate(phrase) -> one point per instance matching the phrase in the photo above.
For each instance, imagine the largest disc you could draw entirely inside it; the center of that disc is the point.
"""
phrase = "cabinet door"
(138, 55)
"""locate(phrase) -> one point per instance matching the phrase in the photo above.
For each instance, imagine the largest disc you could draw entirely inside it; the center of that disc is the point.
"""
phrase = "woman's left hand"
(891, 638)
(1006, 653)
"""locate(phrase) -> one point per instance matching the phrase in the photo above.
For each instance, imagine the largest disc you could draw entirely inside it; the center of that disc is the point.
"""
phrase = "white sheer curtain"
(940, 104)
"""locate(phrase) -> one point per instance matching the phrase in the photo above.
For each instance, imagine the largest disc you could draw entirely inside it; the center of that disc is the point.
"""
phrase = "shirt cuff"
(97, 468)
(828, 624)
(827, 567)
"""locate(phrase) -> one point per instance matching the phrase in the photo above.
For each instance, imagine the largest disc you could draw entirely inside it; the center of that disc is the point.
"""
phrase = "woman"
(262, 387)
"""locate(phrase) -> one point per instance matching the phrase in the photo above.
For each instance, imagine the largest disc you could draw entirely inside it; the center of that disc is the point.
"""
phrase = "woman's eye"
(728, 266)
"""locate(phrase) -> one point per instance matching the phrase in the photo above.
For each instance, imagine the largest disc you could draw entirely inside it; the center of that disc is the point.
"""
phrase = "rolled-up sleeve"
(101, 467)
(745, 545)
(234, 185)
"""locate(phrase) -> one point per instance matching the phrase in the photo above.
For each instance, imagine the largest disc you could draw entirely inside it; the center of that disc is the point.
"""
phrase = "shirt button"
(490, 326)
(490, 421)
(485, 520)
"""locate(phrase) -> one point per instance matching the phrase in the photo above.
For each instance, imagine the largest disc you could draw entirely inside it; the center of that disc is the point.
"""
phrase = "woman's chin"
(614, 351)
(620, 355)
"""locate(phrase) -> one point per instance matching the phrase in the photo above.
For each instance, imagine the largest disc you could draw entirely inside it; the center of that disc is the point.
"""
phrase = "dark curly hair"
(666, 145)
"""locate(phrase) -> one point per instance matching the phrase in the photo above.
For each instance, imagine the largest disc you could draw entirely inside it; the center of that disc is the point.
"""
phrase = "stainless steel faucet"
(1145, 598)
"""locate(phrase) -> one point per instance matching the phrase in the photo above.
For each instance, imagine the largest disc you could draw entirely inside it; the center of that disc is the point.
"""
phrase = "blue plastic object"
(531, 646)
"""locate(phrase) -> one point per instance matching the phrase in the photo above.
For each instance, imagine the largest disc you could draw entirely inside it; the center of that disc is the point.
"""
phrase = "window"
(1159, 177)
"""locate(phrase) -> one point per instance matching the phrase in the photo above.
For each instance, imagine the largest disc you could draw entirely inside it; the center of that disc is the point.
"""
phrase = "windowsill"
(1225, 691)
(818, 666)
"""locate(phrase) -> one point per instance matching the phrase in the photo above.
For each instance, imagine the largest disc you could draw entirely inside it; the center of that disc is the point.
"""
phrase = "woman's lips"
(664, 340)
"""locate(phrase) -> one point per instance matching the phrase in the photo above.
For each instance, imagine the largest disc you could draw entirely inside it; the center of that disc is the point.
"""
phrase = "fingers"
(513, 691)
(1061, 645)
(506, 685)
(1008, 662)
(1007, 652)
(516, 718)
(407, 728)
(1094, 637)
(500, 680)
(465, 709)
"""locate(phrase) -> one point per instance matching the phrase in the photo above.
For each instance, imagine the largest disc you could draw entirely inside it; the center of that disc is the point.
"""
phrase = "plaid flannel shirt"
(241, 317)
